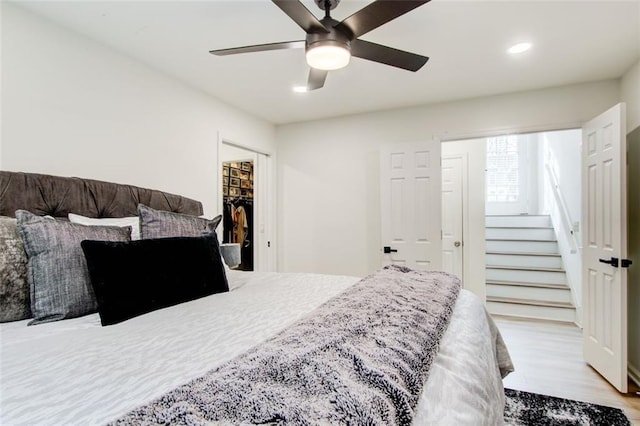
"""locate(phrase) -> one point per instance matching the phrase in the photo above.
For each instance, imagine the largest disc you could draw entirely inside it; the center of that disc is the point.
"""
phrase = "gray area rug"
(525, 408)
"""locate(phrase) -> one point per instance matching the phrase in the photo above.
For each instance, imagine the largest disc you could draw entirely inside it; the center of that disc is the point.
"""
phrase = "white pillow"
(132, 221)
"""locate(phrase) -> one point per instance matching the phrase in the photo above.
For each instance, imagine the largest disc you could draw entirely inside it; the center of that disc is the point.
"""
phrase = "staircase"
(524, 272)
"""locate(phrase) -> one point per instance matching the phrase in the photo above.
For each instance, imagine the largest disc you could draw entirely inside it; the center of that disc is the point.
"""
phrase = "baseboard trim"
(634, 373)
(578, 321)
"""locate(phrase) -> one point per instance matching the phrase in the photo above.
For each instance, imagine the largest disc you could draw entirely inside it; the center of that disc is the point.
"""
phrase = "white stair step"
(547, 285)
(518, 221)
(554, 313)
(526, 275)
(521, 246)
(556, 295)
(513, 233)
(524, 260)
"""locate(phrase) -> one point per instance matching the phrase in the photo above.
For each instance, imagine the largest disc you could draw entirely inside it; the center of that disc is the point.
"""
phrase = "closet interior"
(237, 224)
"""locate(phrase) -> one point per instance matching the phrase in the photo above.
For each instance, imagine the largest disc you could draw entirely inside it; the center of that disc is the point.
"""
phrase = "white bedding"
(77, 372)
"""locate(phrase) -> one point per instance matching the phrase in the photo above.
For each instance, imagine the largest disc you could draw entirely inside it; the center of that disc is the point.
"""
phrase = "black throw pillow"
(133, 278)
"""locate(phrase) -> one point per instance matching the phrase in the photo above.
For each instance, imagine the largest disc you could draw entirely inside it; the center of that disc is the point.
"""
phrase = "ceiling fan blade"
(375, 14)
(301, 15)
(259, 48)
(387, 55)
(316, 78)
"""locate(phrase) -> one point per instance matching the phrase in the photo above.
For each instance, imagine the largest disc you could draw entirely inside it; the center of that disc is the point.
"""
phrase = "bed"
(76, 371)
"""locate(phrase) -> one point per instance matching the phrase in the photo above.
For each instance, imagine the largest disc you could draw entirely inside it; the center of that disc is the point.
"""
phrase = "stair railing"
(562, 209)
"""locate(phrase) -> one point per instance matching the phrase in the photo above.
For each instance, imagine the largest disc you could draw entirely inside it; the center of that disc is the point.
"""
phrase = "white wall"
(630, 93)
(565, 158)
(530, 141)
(634, 252)
(328, 180)
(563, 154)
(74, 107)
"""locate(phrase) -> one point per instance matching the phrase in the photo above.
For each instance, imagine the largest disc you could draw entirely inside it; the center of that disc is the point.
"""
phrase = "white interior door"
(452, 208)
(410, 197)
(605, 240)
(264, 206)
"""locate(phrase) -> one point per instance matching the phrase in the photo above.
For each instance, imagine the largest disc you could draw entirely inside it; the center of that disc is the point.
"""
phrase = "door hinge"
(625, 263)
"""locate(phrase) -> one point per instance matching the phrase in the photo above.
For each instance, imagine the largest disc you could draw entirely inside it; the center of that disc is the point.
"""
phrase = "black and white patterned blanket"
(361, 358)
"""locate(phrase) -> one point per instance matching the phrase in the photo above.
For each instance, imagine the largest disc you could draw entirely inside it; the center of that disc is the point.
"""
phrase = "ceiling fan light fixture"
(329, 44)
(328, 55)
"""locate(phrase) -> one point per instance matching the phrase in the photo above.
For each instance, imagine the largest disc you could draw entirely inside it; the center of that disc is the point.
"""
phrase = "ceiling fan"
(329, 44)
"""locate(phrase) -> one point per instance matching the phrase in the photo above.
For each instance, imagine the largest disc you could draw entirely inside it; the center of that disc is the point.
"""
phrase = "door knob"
(613, 261)
(457, 244)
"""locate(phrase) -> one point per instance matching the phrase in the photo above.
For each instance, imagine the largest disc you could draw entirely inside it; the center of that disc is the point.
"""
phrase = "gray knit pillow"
(162, 224)
(57, 270)
(14, 288)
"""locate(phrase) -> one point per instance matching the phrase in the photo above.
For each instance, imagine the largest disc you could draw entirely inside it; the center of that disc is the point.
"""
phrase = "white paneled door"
(605, 245)
(452, 171)
(410, 205)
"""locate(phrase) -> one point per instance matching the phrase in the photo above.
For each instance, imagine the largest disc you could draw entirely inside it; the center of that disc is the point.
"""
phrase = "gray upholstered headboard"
(57, 196)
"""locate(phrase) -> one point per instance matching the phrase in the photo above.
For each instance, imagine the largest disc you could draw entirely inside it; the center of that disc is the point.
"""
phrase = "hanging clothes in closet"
(227, 222)
(238, 221)
(241, 225)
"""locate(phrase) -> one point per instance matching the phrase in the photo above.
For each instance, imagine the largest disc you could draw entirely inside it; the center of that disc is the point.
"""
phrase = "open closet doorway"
(237, 209)
(246, 204)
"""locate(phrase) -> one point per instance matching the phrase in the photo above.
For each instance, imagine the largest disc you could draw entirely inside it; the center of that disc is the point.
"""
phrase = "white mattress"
(77, 372)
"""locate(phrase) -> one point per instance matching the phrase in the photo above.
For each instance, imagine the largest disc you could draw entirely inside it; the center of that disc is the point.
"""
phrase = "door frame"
(448, 137)
(264, 231)
(476, 219)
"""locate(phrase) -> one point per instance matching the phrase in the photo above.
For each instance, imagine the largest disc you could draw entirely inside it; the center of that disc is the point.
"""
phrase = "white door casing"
(410, 204)
(452, 212)
(604, 213)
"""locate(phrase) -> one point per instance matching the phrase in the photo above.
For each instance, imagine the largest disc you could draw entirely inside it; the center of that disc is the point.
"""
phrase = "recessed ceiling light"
(519, 48)
(300, 89)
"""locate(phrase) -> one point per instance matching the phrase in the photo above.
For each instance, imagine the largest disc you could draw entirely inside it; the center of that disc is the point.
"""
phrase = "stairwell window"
(503, 171)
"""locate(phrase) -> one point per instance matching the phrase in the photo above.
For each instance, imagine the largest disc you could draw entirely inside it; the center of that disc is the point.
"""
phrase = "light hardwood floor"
(548, 360)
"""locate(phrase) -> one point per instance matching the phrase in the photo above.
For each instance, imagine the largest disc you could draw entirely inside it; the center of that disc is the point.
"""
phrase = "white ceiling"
(573, 41)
